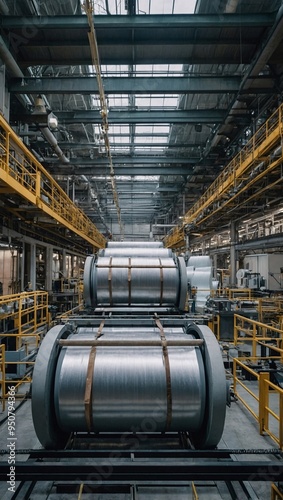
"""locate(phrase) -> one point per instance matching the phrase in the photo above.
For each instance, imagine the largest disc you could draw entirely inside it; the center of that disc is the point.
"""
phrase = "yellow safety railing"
(235, 179)
(232, 293)
(22, 173)
(194, 492)
(266, 411)
(276, 494)
(263, 401)
(270, 309)
(17, 382)
(249, 330)
(238, 293)
(66, 315)
(6, 381)
(176, 238)
(28, 312)
(2, 370)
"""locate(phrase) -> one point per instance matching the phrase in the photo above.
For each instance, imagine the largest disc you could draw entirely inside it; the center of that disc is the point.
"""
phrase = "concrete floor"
(240, 432)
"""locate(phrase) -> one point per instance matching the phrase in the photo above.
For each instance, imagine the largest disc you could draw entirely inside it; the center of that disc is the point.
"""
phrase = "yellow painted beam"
(236, 172)
(22, 173)
(6, 190)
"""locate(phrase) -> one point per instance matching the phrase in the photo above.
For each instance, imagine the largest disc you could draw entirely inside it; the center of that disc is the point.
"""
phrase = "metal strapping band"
(129, 280)
(167, 373)
(110, 281)
(161, 281)
(89, 380)
(137, 266)
(99, 331)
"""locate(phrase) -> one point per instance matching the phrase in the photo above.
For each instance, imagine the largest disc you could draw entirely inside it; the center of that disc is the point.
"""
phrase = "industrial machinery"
(133, 361)
(223, 311)
(200, 281)
(249, 279)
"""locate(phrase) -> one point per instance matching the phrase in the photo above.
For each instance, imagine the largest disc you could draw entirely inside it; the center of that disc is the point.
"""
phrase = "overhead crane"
(235, 186)
(23, 175)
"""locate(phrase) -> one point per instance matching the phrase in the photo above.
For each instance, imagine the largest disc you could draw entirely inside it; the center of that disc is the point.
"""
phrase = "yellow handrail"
(257, 333)
(263, 398)
(3, 376)
(276, 494)
(24, 174)
(235, 179)
(29, 312)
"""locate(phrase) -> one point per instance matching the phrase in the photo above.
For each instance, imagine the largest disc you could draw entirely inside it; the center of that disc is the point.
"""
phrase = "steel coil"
(129, 386)
(146, 281)
(136, 252)
(132, 244)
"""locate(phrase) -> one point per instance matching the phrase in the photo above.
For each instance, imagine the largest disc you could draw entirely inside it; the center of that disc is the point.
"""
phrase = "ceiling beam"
(137, 85)
(129, 160)
(124, 42)
(121, 145)
(94, 170)
(140, 39)
(139, 117)
(136, 54)
(104, 22)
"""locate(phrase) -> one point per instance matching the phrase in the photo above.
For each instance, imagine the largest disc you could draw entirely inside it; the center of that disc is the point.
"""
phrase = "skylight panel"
(184, 6)
(117, 101)
(166, 7)
(111, 7)
(115, 69)
(119, 134)
(148, 140)
(157, 101)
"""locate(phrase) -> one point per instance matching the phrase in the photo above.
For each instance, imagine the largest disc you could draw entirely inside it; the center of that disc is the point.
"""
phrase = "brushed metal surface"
(129, 386)
(150, 281)
(216, 389)
(135, 252)
(135, 244)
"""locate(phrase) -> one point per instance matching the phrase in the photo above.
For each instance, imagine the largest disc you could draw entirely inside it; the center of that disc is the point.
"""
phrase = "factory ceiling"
(186, 84)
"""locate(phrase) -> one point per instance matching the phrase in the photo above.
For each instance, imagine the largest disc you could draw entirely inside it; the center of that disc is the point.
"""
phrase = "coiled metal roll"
(109, 378)
(129, 385)
(132, 244)
(135, 252)
(137, 281)
(176, 384)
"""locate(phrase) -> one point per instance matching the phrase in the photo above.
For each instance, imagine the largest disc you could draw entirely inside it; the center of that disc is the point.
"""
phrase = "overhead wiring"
(89, 9)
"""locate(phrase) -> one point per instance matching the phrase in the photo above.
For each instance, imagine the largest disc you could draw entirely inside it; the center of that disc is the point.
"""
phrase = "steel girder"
(122, 170)
(105, 22)
(139, 117)
(137, 85)
(131, 161)
(137, 39)
(94, 145)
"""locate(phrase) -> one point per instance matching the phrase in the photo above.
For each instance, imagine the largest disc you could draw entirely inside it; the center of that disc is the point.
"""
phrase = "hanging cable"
(89, 9)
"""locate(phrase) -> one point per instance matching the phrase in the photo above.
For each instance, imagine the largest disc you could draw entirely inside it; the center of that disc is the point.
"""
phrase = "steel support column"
(233, 257)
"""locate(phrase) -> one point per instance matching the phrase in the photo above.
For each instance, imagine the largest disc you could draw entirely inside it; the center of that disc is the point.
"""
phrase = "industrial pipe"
(46, 132)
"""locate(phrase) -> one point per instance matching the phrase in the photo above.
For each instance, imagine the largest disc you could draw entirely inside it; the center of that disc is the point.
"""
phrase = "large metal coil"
(137, 281)
(124, 379)
(135, 244)
(135, 249)
(135, 252)
(199, 275)
(129, 386)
